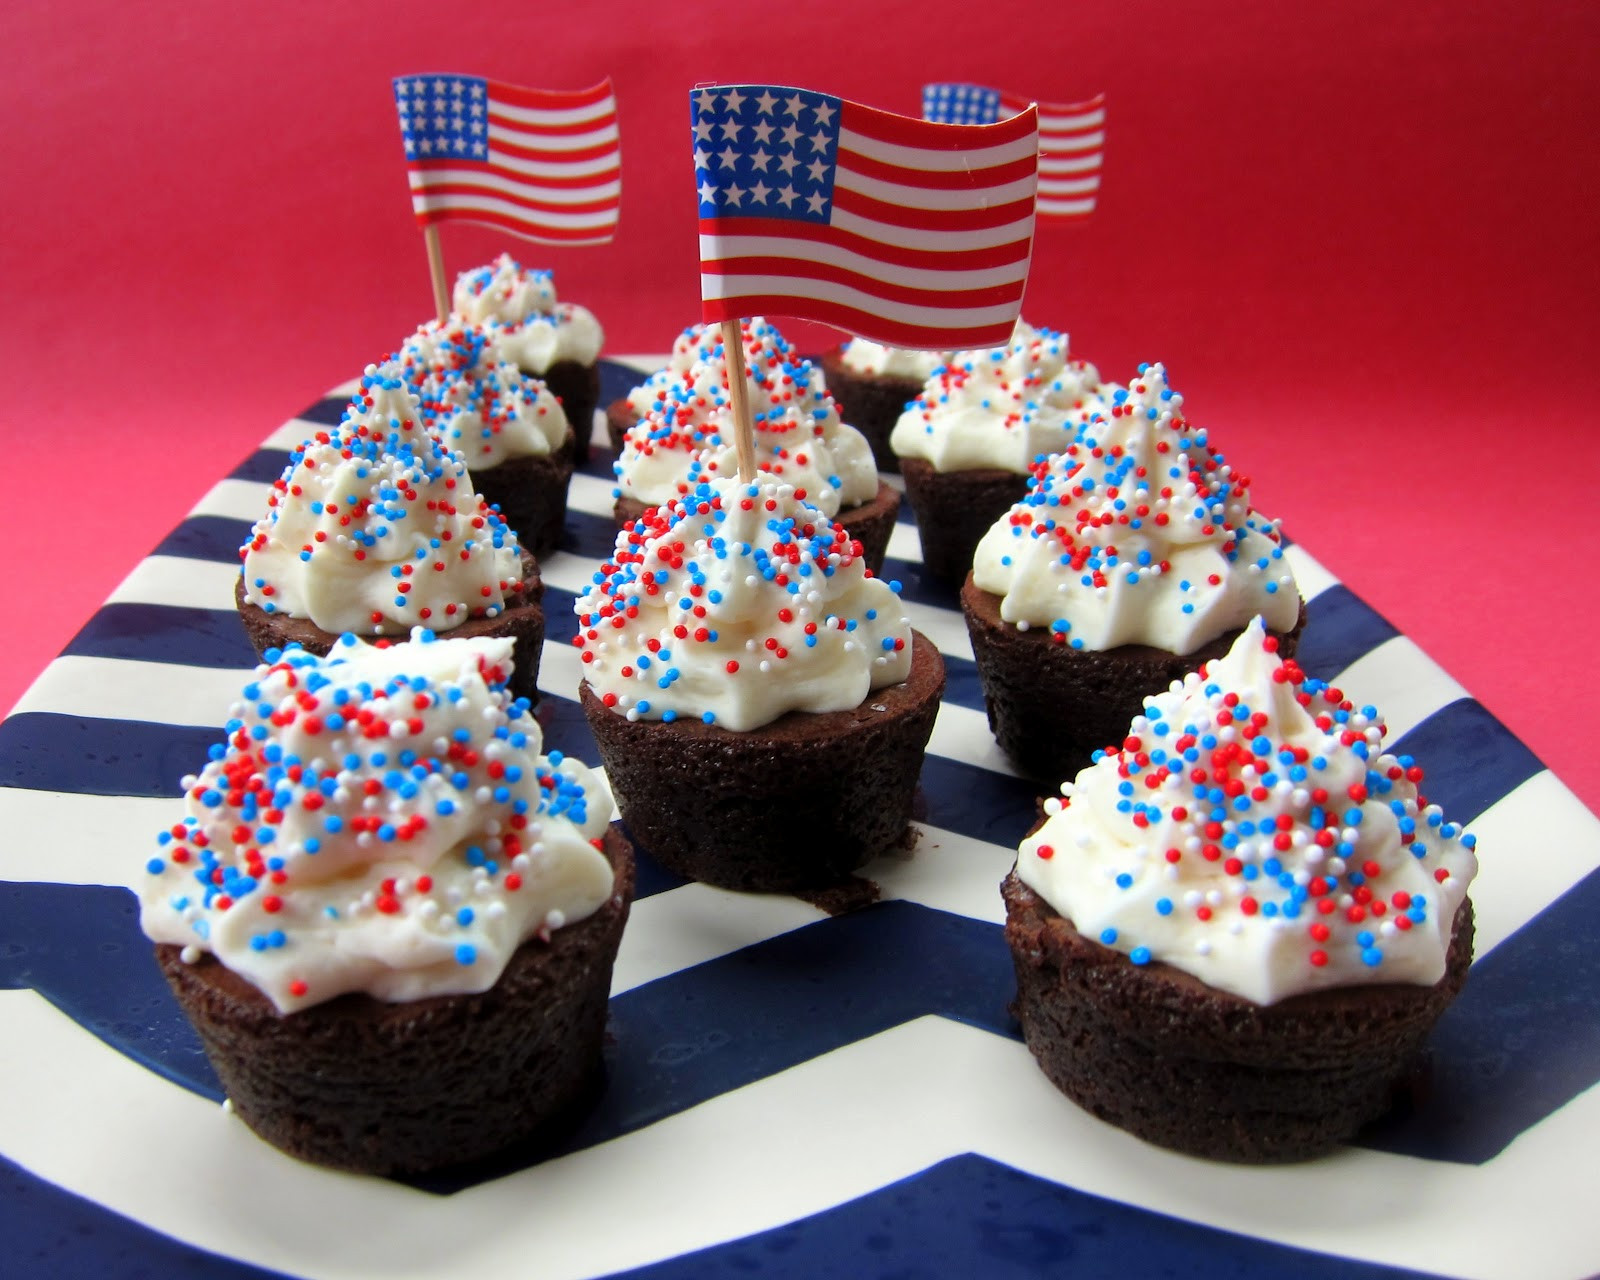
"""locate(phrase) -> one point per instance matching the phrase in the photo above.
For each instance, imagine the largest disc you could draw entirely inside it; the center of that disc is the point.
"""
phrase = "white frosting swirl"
(527, 324)
(687, 433)
(736, 605)
(873, 359)
(700, 345)
(1000, 407)
(1251, 832)
(1139, 533)
(374, 527)
(485, 408)
(395, 830)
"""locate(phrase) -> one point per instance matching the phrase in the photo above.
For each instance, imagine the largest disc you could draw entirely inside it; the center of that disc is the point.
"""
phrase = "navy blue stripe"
(1340, 627)
(616, 380)
(972, 801)
(329, 412)
(53, 1234)
(1522, 1041)
(1469, 759)
(216, 538)
(972, 1216)
(77, 756)
(264, 466)
(165, 633)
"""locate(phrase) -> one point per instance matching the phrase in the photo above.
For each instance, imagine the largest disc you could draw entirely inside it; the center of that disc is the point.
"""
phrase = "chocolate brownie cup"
(374, 528)
(557, 342)
(1134, 558)
(1050, 706)
(1234, 933)
(760, 702)
(508, 426)
(797, 803)
(1157, 1052)
(379, 1012)
(873, 385)
(966, 443)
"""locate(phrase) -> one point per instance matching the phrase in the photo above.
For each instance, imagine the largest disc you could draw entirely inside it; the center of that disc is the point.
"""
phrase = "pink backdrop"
(1363, 237)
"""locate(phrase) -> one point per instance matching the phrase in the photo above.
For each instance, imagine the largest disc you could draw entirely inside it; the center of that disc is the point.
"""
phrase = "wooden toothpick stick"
(441, 290)
(743, 429)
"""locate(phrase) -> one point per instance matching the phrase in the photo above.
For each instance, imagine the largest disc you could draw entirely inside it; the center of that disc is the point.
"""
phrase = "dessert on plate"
(966, 443)
(686, 434)
(557, 342)
(1233, 934)
(391, 919)
(508, 426)
(873, 385)
(760, 702)
(374, 528)
(1134, 557)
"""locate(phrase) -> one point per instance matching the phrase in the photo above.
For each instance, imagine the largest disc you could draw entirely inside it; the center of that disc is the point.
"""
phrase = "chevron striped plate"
(790, 1094)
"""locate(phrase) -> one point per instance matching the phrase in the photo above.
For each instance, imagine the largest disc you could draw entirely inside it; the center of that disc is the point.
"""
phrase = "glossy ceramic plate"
(790, 1094)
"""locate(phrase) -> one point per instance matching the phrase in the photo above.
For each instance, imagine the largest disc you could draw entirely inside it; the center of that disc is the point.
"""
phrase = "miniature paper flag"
(1072, 139)
(542, 164)
(905, 232)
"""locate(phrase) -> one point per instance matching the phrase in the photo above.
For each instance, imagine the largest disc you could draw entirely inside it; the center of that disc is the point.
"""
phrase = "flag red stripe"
(934, 179)
(999, 255)
(532, 230)
(549, 99)
(550, 130)
(573, 183)
(903, 131)
(522, 202)
(517, 151)
(931, 219)
(809, 269)
(854, 320)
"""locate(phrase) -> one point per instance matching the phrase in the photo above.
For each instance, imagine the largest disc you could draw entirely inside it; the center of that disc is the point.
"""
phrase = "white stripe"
(935, 161)
(1063, 142)
(941, 241)
(928, 198)
(1309, 575)
(846, 1124)
(175, 580)
(672, 931)
(737, 286)
(962, 733)
(75, 839)
(536, 141)
(293, 433)
(597, 167)
(541, 118)
(487, 204)
(121, 689)
(234, 499)
(1068, 187)
(425, 182)
(713, 248)
(905, 543)
(1062, 208)
(946, 871)
(1051, 121)
(1067, 164)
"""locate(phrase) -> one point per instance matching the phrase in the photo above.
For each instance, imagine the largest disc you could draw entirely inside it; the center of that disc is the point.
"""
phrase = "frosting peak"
(735, 605)
(374, 526)
(481, 405)
(378, 820)
(1001, 407)
(1138, 532)
(527, 325)
(1252, 832)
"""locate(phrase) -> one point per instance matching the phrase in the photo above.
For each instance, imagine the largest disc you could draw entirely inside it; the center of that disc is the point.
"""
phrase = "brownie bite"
(873, 385)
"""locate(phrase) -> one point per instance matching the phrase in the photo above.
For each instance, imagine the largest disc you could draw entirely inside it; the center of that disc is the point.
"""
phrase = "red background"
(1362, 234)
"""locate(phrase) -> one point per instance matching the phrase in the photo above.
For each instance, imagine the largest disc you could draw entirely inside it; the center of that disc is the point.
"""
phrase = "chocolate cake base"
(522, 620)
(577, 386)
(372, 1087)
(955, 509)
(1051, 707)
(870, 402)
(1159, 1053)
(799, 803)
(870, 524)
(531, 493)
